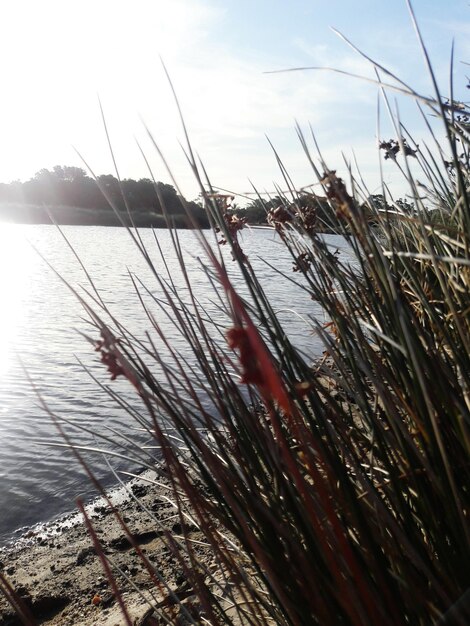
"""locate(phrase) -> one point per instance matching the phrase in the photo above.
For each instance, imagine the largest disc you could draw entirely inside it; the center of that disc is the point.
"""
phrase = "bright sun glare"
(18, 262)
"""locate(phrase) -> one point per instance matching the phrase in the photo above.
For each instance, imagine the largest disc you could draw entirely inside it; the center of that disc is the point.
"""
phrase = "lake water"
(40, 320)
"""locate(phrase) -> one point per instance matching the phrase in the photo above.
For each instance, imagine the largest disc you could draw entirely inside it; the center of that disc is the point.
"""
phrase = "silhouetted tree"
(71, 187)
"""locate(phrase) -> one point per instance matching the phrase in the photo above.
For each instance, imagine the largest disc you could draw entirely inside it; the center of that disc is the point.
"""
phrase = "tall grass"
(336, 493)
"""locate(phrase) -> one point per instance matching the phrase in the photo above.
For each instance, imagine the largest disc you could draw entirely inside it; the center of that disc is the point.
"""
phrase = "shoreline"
(56, 571)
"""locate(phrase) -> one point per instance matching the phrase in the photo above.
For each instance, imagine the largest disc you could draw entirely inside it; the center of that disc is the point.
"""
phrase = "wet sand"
(56, 571)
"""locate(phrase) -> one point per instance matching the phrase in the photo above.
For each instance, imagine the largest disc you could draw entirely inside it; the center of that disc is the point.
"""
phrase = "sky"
(58, 57)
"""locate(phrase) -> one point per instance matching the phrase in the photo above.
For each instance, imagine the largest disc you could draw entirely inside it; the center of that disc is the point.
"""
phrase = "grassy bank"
(77, 216)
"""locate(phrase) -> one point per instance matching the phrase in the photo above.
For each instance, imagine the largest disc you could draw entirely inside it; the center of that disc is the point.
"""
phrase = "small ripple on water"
(39, 322)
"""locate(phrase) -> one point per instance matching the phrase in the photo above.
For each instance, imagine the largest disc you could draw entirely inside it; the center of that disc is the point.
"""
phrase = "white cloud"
(61, 55)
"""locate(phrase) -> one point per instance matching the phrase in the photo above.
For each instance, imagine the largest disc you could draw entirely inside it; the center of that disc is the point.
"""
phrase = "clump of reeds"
(336, 493)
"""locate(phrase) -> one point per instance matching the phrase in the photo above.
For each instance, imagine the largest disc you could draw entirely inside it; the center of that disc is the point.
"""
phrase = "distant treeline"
(74, 198)
(317, 213)
(316, 209)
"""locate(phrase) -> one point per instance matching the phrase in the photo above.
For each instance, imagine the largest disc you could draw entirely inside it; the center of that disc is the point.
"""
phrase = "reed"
(336, 493)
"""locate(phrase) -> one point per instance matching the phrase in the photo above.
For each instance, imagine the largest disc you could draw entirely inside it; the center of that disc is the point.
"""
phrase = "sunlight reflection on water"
(38, 317)
(17, 261)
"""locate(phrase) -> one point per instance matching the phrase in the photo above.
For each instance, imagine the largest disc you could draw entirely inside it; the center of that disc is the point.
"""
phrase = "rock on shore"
(58, 574)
